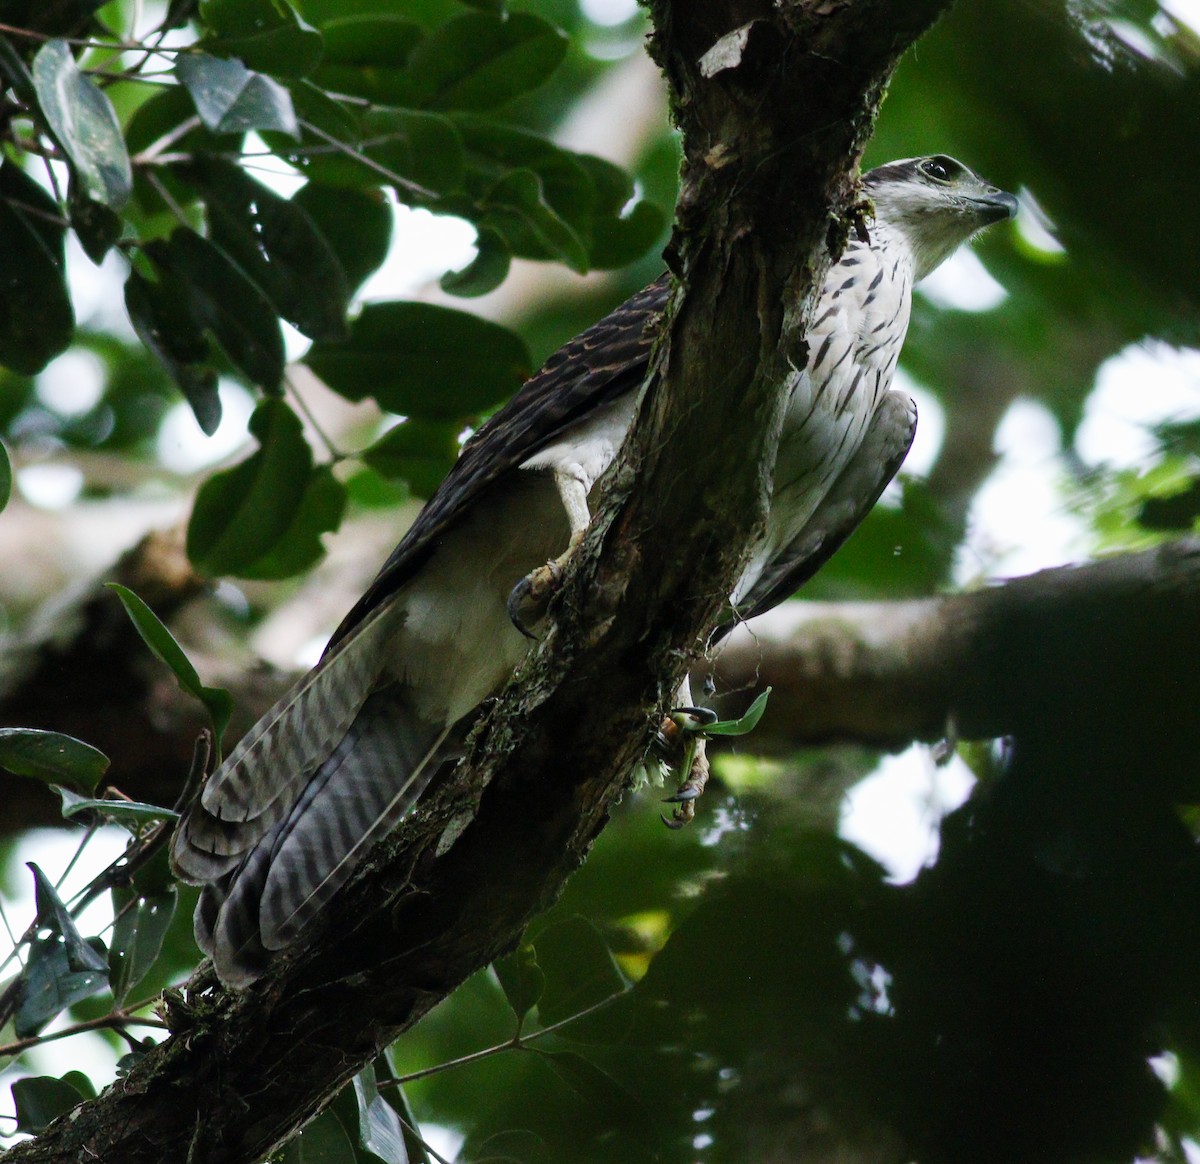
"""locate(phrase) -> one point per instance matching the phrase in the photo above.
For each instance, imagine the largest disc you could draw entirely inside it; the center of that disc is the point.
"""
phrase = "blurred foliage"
(754, 987)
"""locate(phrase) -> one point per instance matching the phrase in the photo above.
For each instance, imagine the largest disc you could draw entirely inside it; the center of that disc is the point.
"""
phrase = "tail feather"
(367, 783)
(300, 729)
(270, 767)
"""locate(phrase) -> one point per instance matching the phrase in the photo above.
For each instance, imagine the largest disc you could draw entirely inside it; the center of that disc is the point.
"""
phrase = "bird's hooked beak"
(996, 205)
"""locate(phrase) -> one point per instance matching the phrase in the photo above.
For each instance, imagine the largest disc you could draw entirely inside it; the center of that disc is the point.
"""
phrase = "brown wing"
(598, 365)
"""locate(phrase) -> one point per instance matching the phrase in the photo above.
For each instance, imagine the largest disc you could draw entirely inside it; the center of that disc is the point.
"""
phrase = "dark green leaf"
(746, 724)
(264, 34)
(549, 218)
(5, 476)
(621, 229)
(96, 226)
(365, 55)
(607, 1101)
(579, 969)
(52, 757)
(518, 1146)
(15, 72)
(53, 915)
(232, 99)
(265, 514)
(424, 361)
(85, 124)
(516, 208)
(482, 60)
(164, 647)
(320, 511)
(521, 978)
(275, 243)
(357, 225)
(323, 1141)
(36, 320)
(379, 1129)
(419, 452)
(160, 316)
(227, 302)
(40, 1099)
(49, 985)
(131, 813)
(137, 936)
(486, 271)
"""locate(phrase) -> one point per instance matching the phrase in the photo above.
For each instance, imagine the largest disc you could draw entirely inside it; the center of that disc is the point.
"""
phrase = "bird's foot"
(685, 796)
(531, 596)
(681, 742)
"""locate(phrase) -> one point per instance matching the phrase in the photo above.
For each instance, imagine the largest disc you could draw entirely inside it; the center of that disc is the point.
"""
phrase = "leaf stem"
(518, 1042)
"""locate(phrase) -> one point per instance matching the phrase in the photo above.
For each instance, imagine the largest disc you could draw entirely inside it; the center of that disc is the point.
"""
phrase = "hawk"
(278, 828)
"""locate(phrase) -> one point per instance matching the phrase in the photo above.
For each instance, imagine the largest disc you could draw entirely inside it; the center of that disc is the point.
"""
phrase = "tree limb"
(770, 141)
(1087, 646)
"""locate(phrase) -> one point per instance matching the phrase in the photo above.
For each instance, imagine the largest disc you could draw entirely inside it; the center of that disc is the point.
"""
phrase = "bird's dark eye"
(940, 169)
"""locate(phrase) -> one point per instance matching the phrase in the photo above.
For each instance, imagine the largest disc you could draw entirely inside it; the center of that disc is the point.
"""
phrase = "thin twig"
(290, 386)
(155, 148)
(516, 1043)
(105, 1022)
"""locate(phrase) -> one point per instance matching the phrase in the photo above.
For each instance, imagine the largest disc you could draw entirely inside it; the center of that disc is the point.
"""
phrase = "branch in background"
(1079, 646)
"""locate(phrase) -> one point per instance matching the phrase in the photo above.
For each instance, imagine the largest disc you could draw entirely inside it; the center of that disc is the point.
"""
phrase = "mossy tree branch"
(774, 119)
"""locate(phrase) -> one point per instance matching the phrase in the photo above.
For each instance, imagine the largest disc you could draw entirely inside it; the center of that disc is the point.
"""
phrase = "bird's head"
(936, 203)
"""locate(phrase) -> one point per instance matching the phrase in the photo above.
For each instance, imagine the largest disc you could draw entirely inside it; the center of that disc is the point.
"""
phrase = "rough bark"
(771, 142)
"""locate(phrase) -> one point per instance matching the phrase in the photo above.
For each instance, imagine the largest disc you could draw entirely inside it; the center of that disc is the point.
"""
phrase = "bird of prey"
(277, 829)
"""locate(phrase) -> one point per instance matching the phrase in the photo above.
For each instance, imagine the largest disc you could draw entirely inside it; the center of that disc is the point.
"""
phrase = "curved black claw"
(705, 715)
(688, 792)
(520, 594)
(675, 822)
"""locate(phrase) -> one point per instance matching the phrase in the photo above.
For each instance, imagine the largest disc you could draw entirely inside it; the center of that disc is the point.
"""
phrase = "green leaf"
(322, 1141)
(225, 300)
(276, 244)
(611, 1104)
(579, 969)
(321, 510)
(420, 360)
(131, 813)
(53, 915)
(163, 646)
(49, 985)
(6, 477)
(160, 316)
(365, 54)
(379, 1128)
(517, 208)
(96, 225)
(41, 1099)
(486, 271)
(419, 452)
(265, 514)
(264, 34)
(52, 757)
(357, 225)
(139, 928)
(521, 979)
(621, 229)
(84, 123)
(482, 60)
(549, 219)
(36, 320)
(232, 99)
(743, 726)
